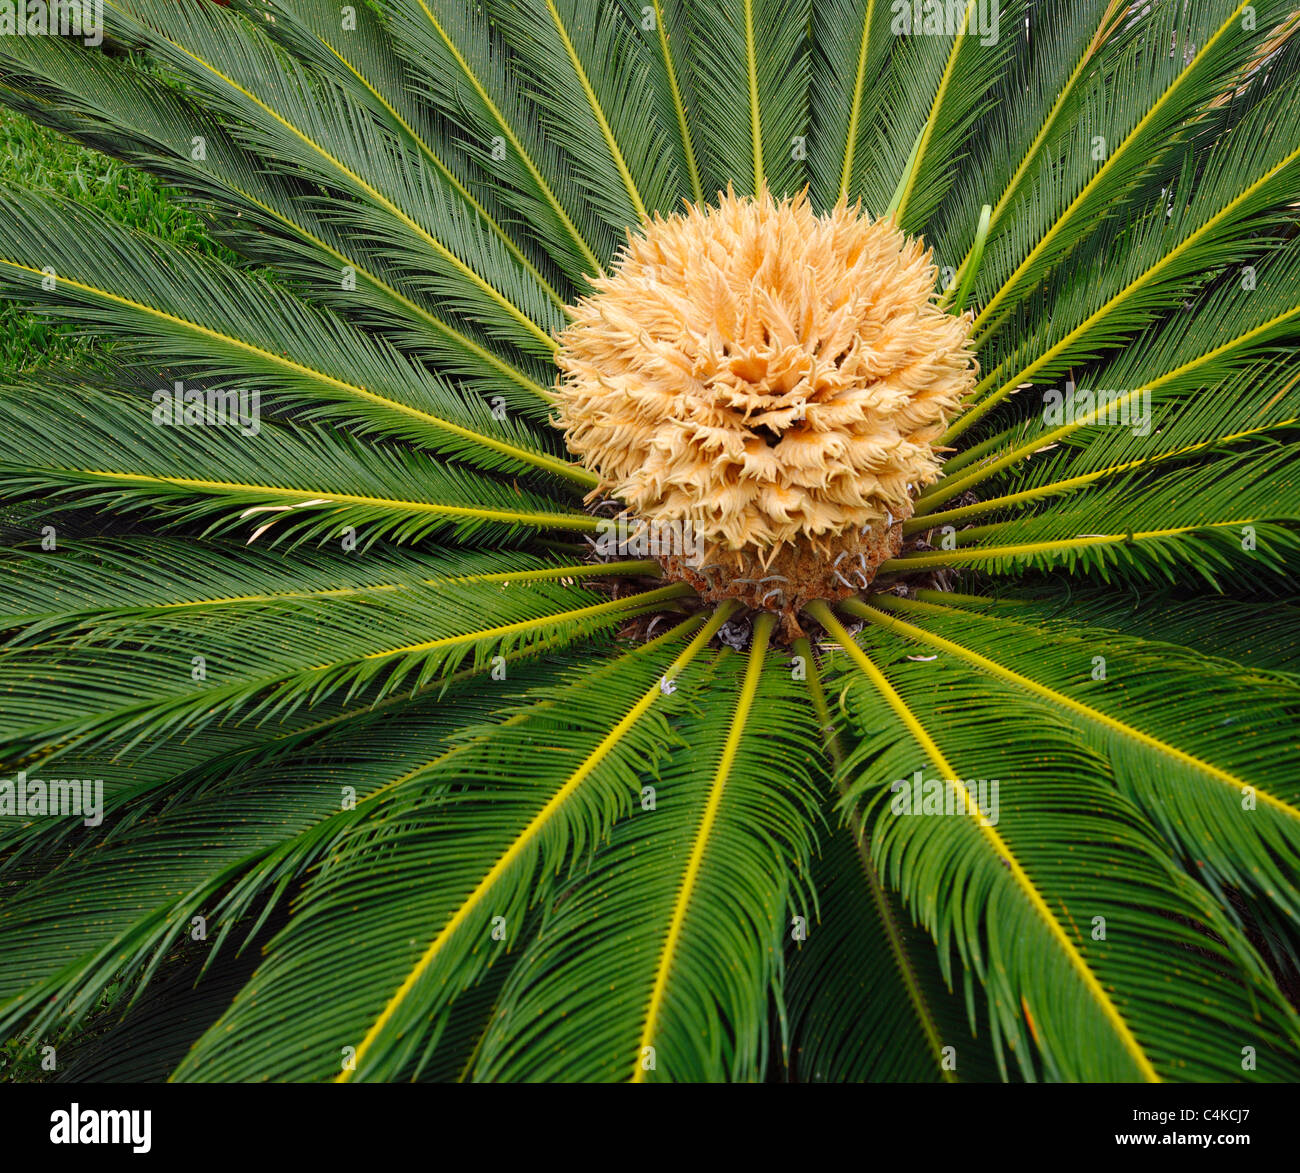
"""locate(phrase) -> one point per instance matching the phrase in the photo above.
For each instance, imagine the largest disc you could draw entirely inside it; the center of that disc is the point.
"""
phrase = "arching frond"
(1016, 858)
(658, 909)
(597, 732)
(1230, 804)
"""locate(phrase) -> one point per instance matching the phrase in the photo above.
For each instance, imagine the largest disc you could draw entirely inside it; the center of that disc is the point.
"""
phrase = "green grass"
(45, 161)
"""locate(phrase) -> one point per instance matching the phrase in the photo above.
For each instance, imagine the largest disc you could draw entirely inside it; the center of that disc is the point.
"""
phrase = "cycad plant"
(697, 540)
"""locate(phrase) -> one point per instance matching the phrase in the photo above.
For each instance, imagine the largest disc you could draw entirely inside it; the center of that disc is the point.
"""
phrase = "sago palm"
(932, 716)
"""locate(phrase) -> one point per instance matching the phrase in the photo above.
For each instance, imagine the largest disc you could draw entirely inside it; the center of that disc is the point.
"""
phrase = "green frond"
(95, 925)
(301, 126)
(1254, 322)
(245, 328)
(646, 971)
(462, 862)
(1041, 96)
(1149, 107)
(456, 64)
(1062, 848)
(1236, 211)
(193, 668)
(144, 1044)
(586, 68)
(851, 42)
(842, 1018)
(1259, 638)
(675, 104)
(299, 483)
(749, 73)
(116, 108)
(867, 999)
(363, 58)
(1227, 516)
(1165, 721)
(972, 60)
(98, 583)
(400, 776)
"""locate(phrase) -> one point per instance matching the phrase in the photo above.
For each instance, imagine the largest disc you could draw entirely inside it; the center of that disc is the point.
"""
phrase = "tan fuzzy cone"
(773, 376)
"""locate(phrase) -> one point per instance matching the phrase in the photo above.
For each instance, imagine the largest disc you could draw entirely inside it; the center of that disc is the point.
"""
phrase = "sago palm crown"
(684, 540)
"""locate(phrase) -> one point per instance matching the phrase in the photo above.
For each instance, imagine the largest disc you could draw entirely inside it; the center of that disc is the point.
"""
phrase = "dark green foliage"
(361, 702)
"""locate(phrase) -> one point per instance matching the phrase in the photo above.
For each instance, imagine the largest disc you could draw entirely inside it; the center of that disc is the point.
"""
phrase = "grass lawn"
(45, 161)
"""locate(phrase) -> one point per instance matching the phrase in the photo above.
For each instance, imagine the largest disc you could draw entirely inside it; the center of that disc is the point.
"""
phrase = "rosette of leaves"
(402, 782)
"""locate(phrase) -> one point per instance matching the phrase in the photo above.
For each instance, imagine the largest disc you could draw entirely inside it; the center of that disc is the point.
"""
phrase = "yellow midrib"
(216, 882)
(611, 143)
(981, 406)
(749, 689)
(532, 649)
(855, 112)
(755, 119)
(508, 131)
(688, 146)
(944, 489)
(1050, 694)
(643, 599)
(514, 374)
(1052, 488)
(1039, 138)
(461, 190)
(534, 827)
(981, 553)
(1052, 232)
(493, 294)
(556, 521)
(574, 571)
(928, 132)
(996, 842)
(879, 897)
(538, 460)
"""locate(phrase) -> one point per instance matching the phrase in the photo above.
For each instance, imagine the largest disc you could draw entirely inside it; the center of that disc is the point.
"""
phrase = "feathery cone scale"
(774, 377)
